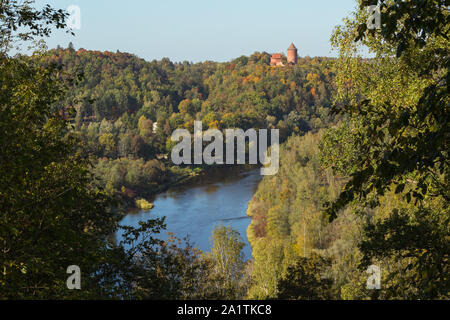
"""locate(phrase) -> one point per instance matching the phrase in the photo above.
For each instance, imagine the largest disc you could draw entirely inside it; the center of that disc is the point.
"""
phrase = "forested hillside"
(289, 225)
(298, 253)
(373, 189)
(124, 108)
(245, 92)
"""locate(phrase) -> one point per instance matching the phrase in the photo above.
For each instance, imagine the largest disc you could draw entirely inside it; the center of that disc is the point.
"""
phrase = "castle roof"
(276, 55)
(292, 47)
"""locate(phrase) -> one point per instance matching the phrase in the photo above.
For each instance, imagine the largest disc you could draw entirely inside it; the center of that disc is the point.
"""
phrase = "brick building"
(292, 54)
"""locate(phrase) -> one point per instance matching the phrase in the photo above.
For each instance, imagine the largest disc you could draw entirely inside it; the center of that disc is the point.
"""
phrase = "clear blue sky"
(198, 30)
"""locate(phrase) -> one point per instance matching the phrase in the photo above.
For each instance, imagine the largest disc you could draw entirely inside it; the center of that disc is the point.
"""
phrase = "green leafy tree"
(228, 266)
(397, 106)
(402, 132)
(307, 280)
(21, 22)
(50, 216)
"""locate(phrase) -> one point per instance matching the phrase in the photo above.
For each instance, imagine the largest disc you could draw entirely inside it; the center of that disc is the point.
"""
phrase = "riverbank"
(215, 196)
(179, 176)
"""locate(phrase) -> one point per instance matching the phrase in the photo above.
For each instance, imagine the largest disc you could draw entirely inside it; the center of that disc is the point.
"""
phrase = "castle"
(292, 54)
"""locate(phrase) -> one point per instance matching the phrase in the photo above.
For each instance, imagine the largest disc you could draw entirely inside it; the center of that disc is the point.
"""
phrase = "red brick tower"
(292, 54)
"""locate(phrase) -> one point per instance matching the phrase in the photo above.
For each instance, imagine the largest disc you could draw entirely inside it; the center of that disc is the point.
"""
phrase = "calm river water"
(193, 209)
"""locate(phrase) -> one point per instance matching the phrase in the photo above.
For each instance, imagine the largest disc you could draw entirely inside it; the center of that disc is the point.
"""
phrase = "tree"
(109, 144)
(400, 135)
(155, 269)
(398, 114)
(186, 106)
(50, 216)
(20, 22)
(145, 126)
(228, 264)
(306, 280)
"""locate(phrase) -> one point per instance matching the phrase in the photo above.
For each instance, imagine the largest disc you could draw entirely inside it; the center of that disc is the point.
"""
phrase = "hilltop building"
(275, 60)
(292, 54)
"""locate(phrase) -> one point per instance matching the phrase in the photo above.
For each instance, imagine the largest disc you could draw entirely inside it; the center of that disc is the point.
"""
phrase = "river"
(219, 197)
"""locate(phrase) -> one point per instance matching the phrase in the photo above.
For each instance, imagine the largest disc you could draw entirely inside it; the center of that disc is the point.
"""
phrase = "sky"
(199, 30)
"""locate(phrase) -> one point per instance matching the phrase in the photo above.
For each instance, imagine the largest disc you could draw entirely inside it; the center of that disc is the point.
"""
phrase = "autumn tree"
(227, 262)
(307, 280)
(50, 216)
(397, 107)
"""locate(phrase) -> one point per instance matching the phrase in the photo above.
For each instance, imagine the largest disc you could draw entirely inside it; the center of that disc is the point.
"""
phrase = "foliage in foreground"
(53, 214)
(390, 151)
